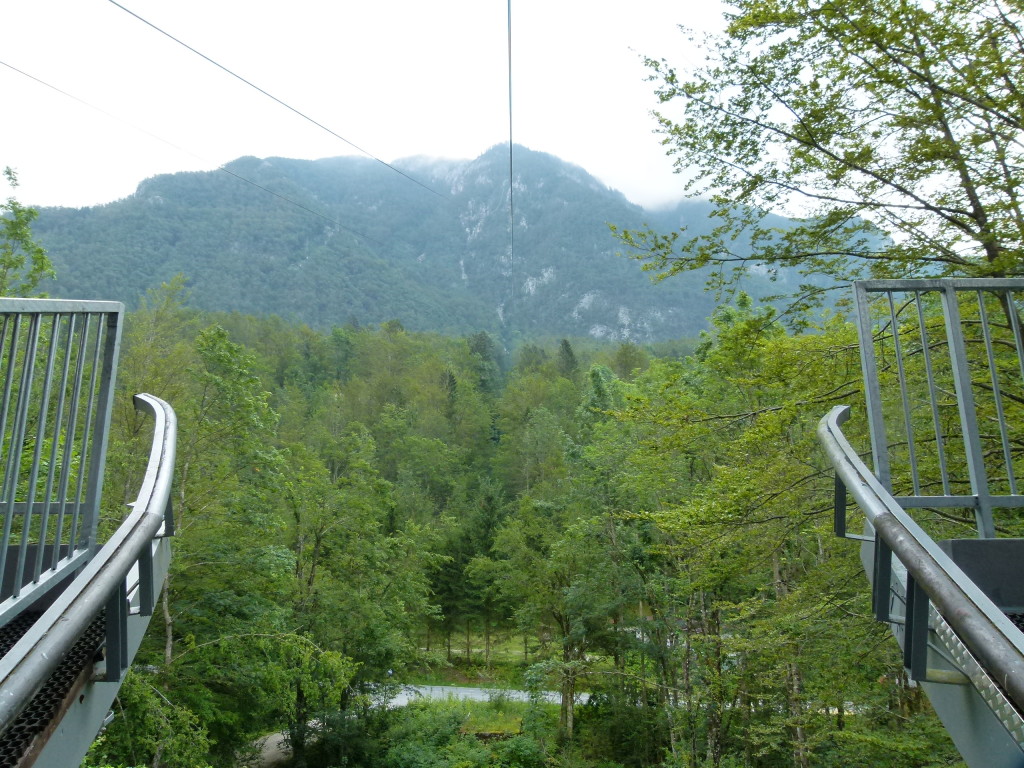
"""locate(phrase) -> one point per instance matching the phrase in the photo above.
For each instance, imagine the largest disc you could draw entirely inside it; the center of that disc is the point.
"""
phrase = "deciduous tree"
(23, 262)
(892, 127)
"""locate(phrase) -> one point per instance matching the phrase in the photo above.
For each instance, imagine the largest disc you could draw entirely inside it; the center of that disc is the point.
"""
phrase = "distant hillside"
(383, 247)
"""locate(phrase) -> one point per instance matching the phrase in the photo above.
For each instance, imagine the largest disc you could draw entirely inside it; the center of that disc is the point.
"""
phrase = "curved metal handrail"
(981, 626)
(35, 656)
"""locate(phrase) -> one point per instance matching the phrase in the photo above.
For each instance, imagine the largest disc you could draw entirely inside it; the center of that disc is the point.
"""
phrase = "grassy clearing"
(495, 716)
(501, 667)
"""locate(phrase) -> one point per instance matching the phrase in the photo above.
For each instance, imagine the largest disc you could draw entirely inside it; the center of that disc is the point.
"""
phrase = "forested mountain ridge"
(348, 239)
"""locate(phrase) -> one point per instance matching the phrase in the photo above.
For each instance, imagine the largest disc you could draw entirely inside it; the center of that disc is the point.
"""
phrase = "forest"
(370, 507)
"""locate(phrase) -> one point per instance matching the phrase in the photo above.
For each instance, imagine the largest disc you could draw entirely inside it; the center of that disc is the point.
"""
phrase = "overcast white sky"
(395, 77)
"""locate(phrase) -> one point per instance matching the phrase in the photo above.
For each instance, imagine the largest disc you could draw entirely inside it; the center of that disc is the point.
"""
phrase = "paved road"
(414, 692)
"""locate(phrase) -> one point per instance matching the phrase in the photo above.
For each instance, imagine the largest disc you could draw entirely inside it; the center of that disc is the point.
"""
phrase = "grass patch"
(484, 717)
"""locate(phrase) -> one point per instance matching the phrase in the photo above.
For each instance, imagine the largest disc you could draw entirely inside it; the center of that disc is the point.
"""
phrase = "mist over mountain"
(348, 239)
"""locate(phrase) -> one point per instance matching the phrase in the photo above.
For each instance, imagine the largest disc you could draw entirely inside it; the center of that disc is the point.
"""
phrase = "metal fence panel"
(57, 365)
(944, 382)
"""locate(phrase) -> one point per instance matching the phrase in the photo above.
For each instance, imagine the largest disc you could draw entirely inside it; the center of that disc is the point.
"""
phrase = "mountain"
(348, 239)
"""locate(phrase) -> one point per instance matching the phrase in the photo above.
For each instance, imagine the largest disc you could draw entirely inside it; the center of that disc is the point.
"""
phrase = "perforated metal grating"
(38, 715)
(988, 688)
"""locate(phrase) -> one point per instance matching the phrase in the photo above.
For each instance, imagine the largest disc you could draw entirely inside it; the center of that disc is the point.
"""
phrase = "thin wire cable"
(511, 180)
(193, 154)
(101, 111)
(284, 104)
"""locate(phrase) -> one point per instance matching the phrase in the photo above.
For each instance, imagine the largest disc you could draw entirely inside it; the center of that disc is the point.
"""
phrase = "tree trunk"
(487, 641)
(794, 684)
(801, 758)
(299, 727)
(691, 715)
(165, 604)
(710, 631)
(566, 715)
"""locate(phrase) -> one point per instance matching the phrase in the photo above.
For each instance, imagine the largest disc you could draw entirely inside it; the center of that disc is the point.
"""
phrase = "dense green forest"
(368, 507)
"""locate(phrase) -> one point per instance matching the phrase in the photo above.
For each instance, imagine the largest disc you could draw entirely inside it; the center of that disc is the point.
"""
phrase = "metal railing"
(943, 366)
(931, 577)
(72, 614)
(123, 579)
(57, 364)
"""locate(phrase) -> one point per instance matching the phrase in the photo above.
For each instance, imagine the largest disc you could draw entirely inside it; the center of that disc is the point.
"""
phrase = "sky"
(395, 78)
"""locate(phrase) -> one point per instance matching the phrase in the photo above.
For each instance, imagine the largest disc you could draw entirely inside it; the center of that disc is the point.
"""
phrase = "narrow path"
(272, 750)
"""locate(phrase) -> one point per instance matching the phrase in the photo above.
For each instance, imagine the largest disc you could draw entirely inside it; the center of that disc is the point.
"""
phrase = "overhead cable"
(284, 104)
(511, 177)
(193, 154)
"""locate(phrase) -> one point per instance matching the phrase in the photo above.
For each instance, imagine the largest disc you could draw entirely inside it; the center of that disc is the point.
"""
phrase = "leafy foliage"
(23, 262)
(363, 502)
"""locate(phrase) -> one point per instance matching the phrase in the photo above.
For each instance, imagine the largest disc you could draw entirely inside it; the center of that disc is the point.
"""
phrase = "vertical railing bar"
(82, 523)
(11, 354)
(123, 594)
(968, 413)
(908, 424)
(997, 395)
(71, 441)
(66, 324)
(20, 427)
(69, 438)
(872, 392)
(84, 346)
(10, 476)
(147, 588)
(940, 437)
(1015, 329)
(117, 631)
(71, 431)
(104, 403)
(915, 631)
(168, 529)
(37, 455)
(90, 512)
(839, 508)
(881, 585)
(80, 536)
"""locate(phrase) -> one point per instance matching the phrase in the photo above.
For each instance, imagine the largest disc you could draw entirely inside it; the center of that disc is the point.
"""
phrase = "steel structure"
(72, 612)
(943, 367)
